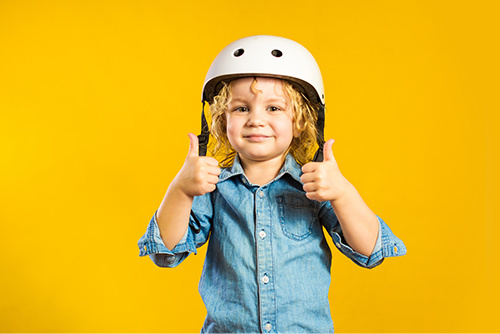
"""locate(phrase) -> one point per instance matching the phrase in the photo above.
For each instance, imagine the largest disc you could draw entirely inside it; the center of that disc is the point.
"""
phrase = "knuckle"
(198, 178)
(211, 161)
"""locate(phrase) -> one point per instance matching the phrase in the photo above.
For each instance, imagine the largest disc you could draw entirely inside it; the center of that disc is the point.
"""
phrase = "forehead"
(255, 85)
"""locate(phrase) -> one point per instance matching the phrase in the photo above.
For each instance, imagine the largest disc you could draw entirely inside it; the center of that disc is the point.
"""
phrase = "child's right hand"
(198, 175)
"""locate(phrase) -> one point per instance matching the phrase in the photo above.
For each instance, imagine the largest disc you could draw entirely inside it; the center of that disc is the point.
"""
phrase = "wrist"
(346, 194)
(177, 189)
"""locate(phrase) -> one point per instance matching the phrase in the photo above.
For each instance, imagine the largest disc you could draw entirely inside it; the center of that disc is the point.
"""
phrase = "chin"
(262, 157)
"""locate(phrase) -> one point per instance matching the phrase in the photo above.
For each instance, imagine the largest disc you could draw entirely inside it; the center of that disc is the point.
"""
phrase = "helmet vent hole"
(277, 53)
(238, 52)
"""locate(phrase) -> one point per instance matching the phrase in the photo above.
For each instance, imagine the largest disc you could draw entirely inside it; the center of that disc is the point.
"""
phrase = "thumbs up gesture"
(198, 175)
(323, 180)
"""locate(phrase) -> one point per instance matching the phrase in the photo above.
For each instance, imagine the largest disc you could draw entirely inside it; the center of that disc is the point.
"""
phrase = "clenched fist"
(198, 175)
(323, 180)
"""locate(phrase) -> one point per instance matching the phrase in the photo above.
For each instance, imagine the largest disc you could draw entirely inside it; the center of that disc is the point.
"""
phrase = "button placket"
(264, 253)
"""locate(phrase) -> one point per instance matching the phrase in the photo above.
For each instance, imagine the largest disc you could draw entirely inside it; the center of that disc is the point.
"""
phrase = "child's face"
(259, 120)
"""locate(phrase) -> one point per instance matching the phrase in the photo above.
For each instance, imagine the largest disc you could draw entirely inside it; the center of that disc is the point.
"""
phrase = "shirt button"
(268, 327)
(265, 279)
(262, 234)
(261, 194)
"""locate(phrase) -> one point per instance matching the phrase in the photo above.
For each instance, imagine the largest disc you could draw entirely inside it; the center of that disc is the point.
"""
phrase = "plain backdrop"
(97, 98)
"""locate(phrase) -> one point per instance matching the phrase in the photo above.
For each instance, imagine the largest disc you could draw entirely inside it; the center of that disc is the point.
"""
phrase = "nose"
(256, 118)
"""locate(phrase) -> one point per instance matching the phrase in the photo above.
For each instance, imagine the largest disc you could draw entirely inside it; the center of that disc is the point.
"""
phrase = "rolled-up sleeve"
(387, 244)
(196, 235)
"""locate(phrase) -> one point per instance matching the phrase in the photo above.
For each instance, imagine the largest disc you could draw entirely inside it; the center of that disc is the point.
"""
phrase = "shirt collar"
(290, 167)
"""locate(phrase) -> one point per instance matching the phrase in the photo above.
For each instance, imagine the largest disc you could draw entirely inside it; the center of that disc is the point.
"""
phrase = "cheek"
(286, 130)
(231, 129)
(291, 129)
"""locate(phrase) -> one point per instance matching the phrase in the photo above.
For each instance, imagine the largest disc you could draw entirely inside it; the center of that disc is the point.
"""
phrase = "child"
(267, 267)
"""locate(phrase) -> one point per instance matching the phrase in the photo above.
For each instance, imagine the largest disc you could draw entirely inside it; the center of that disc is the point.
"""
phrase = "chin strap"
(205, 134)
(202, 151)
(320, 125)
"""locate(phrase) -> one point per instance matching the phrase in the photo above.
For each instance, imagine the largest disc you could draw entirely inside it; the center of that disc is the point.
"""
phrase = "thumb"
(193, 146)
(327, 150)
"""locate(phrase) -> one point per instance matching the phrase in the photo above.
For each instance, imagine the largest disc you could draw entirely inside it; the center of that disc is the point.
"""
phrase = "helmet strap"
(205, 133)
(320, 125)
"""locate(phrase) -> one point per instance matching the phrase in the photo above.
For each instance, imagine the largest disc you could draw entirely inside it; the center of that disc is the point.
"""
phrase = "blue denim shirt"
(267, 267)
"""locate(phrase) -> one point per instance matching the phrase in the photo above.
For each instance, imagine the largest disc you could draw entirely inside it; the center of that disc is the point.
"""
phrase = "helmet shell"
(266, 56)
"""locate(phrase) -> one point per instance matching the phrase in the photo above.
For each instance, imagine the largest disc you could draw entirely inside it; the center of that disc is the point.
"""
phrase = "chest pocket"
(297, 216)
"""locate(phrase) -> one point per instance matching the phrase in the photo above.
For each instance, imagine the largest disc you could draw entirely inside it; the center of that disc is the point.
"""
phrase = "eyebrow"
(282, 100)
(270, 100)
(237, 99)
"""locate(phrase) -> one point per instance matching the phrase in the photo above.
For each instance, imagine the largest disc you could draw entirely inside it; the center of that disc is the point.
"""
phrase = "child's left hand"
(323, 180)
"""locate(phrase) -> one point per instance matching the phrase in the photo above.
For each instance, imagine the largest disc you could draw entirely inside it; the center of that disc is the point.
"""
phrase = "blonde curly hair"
(304, 112)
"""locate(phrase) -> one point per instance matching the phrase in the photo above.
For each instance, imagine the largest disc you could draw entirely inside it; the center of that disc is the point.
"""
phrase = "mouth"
(256, 138)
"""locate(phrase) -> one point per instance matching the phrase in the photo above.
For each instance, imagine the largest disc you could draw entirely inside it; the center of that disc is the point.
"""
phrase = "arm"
(173, 215)
(324, 182)
(359, 224)
(198, 176)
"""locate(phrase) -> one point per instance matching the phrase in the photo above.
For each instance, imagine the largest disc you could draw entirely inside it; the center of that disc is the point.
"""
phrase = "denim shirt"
(267, 266)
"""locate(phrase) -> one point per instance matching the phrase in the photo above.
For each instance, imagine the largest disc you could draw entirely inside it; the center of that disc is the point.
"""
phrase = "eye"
(241, 109)
(273, 108)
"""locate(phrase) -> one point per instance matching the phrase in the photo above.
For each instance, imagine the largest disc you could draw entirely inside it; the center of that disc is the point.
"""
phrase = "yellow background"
(97, 98)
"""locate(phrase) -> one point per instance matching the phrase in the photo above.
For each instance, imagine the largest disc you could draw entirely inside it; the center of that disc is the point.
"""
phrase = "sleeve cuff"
(387, 245)
(152, 244)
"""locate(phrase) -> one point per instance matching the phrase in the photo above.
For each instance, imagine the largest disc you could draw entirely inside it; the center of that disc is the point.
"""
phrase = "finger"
(310, 187)
(214, 171)
(310, 167)
(311, 195)
(211, 161)
(212, 188)
(193, 145)
(327, 150)
(212, 179)
(308, 177)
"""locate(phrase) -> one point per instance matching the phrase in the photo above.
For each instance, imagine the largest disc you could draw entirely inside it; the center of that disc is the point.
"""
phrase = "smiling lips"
(256, 138)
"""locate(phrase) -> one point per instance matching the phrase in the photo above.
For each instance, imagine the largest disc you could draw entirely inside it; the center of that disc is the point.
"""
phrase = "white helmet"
(267, 56)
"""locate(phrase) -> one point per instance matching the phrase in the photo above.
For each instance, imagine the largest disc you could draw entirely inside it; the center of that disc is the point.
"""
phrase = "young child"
(265, 204)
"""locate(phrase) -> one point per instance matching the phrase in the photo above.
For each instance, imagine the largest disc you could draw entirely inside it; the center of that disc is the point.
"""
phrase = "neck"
(262, 172)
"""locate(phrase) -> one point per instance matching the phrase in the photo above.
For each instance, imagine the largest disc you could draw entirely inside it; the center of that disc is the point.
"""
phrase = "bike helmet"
(266, 56)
